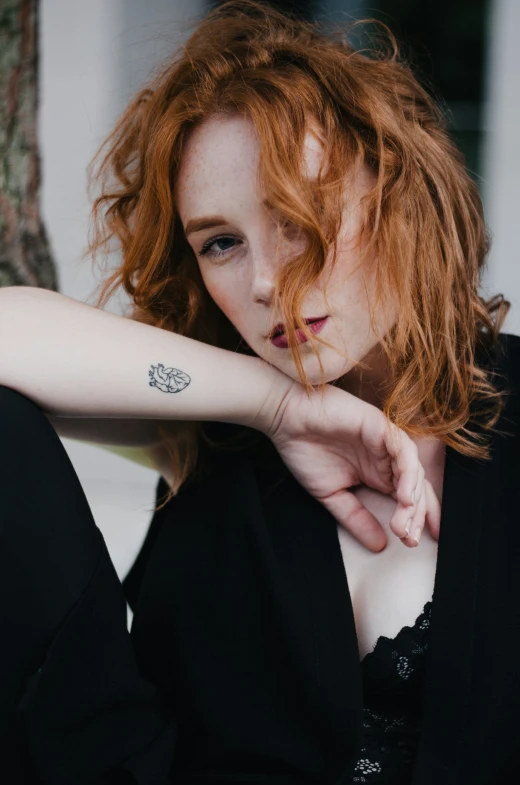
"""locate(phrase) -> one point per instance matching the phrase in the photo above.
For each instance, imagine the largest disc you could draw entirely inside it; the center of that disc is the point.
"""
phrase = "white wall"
(93, 56)
(502, 157)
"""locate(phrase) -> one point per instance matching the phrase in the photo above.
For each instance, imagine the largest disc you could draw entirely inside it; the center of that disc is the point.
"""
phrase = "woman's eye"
(290, 230)
(218, 246)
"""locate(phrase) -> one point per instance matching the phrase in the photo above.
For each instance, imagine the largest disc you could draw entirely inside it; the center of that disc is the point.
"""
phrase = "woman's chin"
(332, 371)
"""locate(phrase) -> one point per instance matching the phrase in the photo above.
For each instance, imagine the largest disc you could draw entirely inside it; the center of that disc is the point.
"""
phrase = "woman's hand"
(334, 441)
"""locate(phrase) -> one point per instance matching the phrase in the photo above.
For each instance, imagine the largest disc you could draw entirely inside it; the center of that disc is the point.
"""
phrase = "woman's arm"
(77, 361)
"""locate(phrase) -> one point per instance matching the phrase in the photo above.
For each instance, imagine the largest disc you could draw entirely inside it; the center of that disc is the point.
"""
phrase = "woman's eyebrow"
(211, 221)
(198, 224)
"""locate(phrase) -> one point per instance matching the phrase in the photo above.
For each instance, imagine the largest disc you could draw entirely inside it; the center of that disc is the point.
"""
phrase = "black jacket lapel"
(449, 656)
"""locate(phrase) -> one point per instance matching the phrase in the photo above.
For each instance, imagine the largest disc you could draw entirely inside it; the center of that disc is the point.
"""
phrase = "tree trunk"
(25, 255)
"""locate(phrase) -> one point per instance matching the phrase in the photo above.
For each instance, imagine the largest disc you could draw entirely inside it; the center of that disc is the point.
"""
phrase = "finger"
(433, 511)
(404, 516)
(417, 524)
(346, 508)
(385, 480)
(405, 455)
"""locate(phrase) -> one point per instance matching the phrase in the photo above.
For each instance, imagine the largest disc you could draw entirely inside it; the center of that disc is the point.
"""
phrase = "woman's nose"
(263, 281)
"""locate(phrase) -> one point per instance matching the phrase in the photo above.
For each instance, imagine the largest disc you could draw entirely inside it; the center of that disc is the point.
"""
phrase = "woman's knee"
(49, 543)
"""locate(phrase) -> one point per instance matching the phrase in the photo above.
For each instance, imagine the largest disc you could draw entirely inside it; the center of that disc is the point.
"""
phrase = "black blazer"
(244, 621)
(244, 635)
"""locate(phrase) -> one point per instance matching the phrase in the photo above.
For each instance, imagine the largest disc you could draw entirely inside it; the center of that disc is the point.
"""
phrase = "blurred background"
(78, 63)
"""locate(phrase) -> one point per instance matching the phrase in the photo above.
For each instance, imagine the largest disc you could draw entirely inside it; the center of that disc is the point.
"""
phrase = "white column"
(501, 157)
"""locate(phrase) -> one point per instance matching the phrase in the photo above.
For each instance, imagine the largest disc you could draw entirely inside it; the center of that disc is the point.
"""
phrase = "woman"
(294, 218)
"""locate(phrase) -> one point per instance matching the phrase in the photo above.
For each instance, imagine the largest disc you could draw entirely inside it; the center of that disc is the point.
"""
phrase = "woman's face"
(236, 240)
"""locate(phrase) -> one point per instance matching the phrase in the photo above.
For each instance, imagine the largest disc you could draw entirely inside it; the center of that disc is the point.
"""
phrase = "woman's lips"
(281, 340)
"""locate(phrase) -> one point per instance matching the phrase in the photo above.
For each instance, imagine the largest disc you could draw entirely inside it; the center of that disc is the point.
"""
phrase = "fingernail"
(417, 535)
(407, 529)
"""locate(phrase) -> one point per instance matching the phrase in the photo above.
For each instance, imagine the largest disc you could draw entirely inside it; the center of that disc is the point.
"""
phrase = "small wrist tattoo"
(169, 380)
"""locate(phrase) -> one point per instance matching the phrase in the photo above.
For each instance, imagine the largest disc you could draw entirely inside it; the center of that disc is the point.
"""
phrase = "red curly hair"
(423, 218)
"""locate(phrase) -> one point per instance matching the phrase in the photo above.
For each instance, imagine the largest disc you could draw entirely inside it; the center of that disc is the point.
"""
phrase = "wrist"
(273, 390)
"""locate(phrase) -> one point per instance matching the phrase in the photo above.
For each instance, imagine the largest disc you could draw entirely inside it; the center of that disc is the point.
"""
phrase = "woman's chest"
(389, 589)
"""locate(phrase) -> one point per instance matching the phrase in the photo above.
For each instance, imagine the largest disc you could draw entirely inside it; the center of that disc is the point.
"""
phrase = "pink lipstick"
(316, 326)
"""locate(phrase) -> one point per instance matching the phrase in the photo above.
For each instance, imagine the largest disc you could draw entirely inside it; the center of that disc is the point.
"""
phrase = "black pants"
(73, 706)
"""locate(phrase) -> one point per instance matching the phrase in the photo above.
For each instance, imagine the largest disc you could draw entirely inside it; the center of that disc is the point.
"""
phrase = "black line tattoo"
(169, 380)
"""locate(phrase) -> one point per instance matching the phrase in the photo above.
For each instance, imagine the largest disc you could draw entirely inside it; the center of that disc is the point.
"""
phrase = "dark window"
(446, 43)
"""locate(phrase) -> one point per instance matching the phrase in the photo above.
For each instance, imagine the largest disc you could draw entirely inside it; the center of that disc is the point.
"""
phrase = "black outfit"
(242, 665)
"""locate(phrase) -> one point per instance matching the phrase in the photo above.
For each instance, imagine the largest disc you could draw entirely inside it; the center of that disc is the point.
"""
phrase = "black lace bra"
(392, 677)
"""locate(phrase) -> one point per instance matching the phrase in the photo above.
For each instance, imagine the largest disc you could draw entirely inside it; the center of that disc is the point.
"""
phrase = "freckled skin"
(218, 176)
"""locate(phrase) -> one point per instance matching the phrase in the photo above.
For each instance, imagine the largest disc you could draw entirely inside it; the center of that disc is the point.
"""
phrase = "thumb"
(346, 508)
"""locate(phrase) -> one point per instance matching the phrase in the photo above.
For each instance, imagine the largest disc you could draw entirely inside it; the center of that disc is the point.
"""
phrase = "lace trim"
(392, 691)
(400, 641)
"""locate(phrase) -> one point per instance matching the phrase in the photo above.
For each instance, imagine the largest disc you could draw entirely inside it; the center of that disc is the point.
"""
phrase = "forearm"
(75, 360)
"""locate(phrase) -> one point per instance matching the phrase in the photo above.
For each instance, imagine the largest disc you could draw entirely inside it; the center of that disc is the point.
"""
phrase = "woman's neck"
(368, 384)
